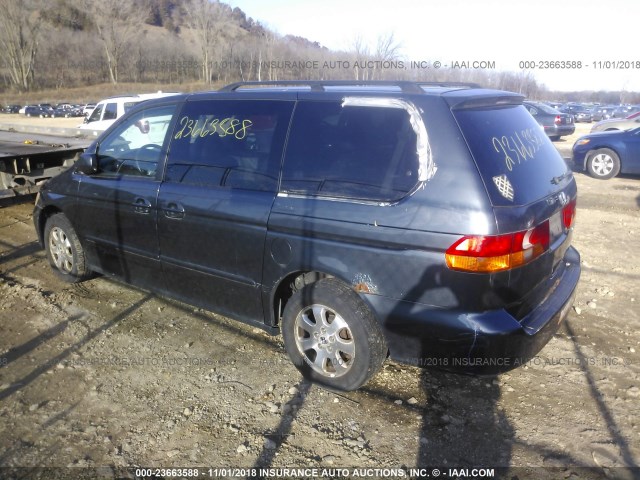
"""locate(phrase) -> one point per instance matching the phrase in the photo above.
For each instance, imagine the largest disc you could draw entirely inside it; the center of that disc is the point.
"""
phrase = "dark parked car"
(554, 123)
(607, 112)
(580, 112)
(569, 108)
(61, 112)
(11, 109)
(600, 112)
(67, 111)
(428, 222)
(624, 111)
(47, 109)
(37, 111)
(78, 110)
(606, 154)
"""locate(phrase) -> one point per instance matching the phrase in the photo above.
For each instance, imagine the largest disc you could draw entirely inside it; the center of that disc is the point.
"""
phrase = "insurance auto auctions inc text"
(344, 65)
(347, 473)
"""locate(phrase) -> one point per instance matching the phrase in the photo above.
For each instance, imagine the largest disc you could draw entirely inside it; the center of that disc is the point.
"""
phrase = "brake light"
(558, 120)
(496, 253)
(569, 214)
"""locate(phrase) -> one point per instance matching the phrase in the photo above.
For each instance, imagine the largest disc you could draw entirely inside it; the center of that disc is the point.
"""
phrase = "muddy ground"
(103, 375)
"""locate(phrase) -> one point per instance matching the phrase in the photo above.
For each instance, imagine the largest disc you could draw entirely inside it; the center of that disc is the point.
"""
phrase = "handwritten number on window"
(518, 147)
(200, 128)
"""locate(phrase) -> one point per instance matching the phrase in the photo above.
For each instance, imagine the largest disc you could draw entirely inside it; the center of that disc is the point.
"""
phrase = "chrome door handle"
(142, 206)
(174, 210)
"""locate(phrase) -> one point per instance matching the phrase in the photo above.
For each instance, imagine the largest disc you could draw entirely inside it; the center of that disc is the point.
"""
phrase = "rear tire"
(331, 336)
(64, 250)
(554, 138)
(603, 164)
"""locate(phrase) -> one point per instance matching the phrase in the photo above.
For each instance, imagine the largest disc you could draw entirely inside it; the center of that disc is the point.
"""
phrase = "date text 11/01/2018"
(316, 472)
(579, 64)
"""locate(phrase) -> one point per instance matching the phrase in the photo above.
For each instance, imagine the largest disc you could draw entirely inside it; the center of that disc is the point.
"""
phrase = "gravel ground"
(105, 376)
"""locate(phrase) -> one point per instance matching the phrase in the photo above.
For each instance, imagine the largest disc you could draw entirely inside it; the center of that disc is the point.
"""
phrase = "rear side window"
(110, 111)
(229, 144)
(517, 161)
(353, 152)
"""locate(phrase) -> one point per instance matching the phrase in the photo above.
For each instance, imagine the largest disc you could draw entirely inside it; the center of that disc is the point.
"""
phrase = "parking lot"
(102, 375)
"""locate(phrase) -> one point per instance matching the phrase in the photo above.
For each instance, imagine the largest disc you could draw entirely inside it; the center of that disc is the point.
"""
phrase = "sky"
(601, 35)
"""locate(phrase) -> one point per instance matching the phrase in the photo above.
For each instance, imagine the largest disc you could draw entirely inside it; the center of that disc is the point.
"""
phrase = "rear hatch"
(533, 194)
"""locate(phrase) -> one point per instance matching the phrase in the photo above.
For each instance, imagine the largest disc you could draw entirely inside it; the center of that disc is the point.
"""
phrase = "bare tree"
(204, 17)
(361, 54)
(387, 50)
(370, 65)
(19, 35)
(117, 23)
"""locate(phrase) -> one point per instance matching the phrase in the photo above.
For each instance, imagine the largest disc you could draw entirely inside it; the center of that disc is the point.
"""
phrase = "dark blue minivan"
(430, 223)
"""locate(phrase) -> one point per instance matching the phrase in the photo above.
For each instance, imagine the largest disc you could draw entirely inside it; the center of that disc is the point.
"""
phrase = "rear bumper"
(559, 130)
(477, 343)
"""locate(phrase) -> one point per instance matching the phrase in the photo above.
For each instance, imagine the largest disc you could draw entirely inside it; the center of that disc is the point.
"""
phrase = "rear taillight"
(496, 253)
(569, 214)
(558, 120)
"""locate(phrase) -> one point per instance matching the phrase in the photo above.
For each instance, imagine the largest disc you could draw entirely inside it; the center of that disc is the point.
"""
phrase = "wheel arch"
(287, 286)
(294, 281)
(46, 213)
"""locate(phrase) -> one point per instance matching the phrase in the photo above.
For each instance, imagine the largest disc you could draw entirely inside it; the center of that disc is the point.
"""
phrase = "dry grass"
(95, 93)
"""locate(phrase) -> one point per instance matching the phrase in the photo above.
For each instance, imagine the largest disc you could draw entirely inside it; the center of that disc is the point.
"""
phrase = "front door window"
(136, 147)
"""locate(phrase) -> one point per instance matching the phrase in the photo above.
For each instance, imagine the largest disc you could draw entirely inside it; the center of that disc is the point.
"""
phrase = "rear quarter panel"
(392, 250)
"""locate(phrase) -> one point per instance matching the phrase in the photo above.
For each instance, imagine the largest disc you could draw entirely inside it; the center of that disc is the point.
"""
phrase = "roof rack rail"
(319, 85)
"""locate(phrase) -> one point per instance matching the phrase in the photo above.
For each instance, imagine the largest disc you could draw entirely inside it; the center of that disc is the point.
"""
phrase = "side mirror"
(87, 164)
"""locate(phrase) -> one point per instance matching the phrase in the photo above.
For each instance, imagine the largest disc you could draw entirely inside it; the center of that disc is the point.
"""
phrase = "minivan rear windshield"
(516, 159)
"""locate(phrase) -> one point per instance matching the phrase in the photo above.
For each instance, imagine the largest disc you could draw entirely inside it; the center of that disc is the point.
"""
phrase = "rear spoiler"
(463, 99)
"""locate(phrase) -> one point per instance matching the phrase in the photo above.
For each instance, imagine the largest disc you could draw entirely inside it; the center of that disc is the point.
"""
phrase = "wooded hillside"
(63, 44)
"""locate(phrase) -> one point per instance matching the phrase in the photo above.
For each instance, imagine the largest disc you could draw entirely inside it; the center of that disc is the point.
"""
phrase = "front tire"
(331, 336)
(64, 250)
(603, 164)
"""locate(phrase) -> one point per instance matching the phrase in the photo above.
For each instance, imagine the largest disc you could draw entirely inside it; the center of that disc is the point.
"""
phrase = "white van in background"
(107, 111)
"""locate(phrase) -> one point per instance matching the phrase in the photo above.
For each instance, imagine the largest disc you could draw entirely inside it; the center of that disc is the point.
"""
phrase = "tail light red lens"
(569, 214)
(496, 253)
(557, 120)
